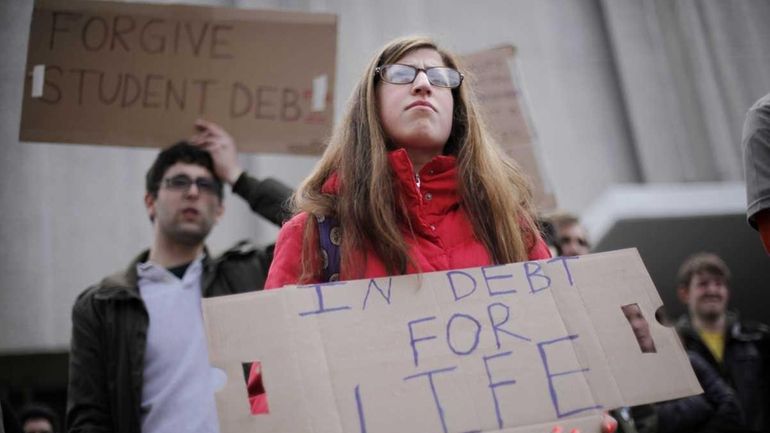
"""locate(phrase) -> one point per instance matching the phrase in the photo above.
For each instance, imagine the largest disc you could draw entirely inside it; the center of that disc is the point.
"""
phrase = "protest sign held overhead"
(510, 348)
(131, 74)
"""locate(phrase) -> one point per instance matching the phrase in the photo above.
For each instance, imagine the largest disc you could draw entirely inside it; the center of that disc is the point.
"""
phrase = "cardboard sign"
(512, 348)
(498, 88)
(132, 74)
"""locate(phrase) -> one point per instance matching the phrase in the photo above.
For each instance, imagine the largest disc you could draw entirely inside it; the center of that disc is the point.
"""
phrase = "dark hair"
(548, 232)
(39, 410)
(702, 263)
(180, 152)
(561, 220)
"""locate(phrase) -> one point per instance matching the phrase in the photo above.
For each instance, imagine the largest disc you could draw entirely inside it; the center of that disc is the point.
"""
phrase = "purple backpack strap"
(330, 237)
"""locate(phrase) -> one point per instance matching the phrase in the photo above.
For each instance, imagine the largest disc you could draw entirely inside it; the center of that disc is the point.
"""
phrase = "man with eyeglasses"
(138, 358)
(736, 348)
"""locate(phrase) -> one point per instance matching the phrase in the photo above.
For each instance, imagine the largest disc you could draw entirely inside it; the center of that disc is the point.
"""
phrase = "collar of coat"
(735, 328)
(438, 178)
(123, 285)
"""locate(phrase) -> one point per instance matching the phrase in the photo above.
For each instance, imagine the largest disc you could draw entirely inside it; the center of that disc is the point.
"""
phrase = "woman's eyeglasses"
(440, 76)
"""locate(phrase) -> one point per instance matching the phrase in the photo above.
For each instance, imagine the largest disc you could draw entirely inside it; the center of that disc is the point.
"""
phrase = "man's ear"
(149, 204)
(683, 293)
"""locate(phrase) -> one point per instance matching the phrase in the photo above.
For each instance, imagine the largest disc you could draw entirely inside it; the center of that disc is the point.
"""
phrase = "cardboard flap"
(242, 329)
(508, 348)
(619, 279)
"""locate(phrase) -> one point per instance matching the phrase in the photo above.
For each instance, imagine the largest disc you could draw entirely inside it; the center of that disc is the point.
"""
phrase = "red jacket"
(443, 236)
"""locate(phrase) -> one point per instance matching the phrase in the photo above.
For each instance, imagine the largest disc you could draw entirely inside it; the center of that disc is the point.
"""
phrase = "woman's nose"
(421, 83)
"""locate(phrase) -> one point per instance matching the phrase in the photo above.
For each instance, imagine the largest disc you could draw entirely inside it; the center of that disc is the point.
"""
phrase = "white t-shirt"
(179, 383)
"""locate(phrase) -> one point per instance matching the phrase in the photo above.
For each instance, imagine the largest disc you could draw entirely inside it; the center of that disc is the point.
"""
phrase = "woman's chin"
(424, 141)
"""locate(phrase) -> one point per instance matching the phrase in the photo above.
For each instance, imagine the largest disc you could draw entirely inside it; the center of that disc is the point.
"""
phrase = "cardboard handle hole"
(663, 318)
(255, 387)
(640, 327)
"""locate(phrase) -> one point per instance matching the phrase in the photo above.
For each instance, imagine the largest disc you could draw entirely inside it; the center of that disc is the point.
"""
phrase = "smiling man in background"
(738, 350)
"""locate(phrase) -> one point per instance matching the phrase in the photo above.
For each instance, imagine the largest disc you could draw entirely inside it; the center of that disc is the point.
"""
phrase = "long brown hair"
(493, 191)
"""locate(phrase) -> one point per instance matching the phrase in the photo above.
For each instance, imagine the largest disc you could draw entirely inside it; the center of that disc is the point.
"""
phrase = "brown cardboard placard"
(511, 348)
(133, 74)
(499, 90)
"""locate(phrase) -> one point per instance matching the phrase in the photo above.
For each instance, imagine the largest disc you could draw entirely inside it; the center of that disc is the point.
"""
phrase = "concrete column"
(664, 126)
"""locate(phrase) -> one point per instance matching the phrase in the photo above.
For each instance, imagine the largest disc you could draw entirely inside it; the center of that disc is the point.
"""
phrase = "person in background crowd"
(8, 421)
(138, 357)
(548, 232)
(715, 411)
(738, 350)
(38, 418)
(756, 158)
(640, 326)
(571, 236)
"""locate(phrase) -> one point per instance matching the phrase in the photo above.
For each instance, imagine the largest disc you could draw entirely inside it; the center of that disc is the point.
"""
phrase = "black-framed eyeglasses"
(440, 76)
(183, 182)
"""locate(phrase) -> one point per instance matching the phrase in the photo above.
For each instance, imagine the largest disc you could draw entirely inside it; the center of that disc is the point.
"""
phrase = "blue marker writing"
(488, 278)
(475, 342)
(457, 285)
(429, 375)
(373, 283)
(497, 325)
(534, 270)
(413, 341)
(550, 376)
(494, 385)
(564, 260)
(322, 309)
(360, 409)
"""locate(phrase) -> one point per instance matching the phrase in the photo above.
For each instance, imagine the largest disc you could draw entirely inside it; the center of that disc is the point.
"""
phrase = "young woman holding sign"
(410, 182)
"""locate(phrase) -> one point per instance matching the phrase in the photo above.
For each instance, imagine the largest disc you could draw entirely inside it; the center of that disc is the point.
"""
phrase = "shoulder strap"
(330, 237)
